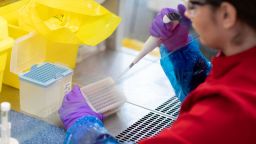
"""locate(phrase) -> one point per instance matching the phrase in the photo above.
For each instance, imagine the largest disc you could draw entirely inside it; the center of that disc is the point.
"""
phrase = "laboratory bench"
(145, 86)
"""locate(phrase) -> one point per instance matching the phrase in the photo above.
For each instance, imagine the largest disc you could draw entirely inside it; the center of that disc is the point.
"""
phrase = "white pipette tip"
(5, 106)
(166, 19)
(131, 65)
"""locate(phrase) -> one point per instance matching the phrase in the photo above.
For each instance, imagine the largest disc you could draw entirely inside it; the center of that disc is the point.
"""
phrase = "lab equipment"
(104, 96)
(83, 124)
(6, 125)
(31, 49)
(78, 22)
(154, 41)
(101, 97)
(5, 47)
(43, 88)
(172, 37)
(69, 22)
(74, 106)
(89, 128)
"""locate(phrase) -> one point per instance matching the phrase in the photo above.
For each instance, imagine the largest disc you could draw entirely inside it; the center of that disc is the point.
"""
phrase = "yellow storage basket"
(55, 52)
(63, 24)
(5, 47)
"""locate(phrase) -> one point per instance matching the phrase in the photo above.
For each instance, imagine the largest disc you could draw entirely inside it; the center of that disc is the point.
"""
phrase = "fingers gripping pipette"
(153, 42)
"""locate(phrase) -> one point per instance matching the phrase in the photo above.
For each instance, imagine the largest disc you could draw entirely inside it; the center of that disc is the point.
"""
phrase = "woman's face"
(205, 24)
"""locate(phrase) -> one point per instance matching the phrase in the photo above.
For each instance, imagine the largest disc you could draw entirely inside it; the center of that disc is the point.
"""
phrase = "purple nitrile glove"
(172, 36)
(74, 106)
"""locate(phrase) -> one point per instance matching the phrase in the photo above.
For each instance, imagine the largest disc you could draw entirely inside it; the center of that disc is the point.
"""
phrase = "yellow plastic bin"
(56, 52)
(63, 24)
(5, 47)
(10, 13)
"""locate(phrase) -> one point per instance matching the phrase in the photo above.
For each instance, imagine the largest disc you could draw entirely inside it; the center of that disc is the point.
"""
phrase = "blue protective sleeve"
(185, 68)
(89, 130)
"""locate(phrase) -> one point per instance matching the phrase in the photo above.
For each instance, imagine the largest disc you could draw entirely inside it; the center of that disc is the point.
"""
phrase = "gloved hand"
(74, 107)
(173, 37)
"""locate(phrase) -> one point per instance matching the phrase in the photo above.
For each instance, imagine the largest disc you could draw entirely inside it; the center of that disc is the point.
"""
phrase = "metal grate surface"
(170, 107)
(152, 123)
(149, 125)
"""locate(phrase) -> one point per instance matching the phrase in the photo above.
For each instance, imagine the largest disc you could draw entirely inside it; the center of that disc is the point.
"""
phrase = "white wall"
(157, 5)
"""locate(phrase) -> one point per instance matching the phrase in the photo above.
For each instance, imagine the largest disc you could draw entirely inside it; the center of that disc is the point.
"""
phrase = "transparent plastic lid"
(27, 51)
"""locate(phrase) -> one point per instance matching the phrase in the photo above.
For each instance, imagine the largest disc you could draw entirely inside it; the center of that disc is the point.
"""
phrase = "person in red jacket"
(219, 110)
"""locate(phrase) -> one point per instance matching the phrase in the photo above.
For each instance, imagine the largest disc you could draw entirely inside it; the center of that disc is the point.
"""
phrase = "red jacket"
(222, 110)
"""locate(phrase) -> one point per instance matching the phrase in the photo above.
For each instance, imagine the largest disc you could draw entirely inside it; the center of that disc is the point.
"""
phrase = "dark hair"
(245, 9)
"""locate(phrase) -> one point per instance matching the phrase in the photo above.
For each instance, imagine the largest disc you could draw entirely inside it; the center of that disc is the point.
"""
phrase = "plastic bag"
(10, 11)
(67, 21)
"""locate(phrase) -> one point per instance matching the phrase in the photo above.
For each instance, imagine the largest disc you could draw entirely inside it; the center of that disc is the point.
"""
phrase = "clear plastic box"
(43, 87)
(33, 49)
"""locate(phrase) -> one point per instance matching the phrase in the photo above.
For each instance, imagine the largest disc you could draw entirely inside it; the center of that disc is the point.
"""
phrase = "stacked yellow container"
(5, 47)
(56, 52)
(56, 29)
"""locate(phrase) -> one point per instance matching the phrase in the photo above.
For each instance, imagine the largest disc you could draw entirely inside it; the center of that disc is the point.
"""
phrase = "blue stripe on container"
(45, 74)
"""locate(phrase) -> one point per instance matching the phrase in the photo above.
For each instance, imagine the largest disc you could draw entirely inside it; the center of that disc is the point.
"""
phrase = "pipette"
(6, 125)
(153, 42)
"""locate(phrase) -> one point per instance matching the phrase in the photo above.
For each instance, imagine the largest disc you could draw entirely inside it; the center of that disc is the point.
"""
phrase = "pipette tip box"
(104, 96)
(43, 87)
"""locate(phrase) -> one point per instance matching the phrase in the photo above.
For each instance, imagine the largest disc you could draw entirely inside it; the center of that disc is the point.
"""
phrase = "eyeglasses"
(192, 6)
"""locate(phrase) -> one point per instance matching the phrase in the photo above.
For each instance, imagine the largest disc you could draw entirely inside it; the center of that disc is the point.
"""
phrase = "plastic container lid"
(27, 51)
(45, 74)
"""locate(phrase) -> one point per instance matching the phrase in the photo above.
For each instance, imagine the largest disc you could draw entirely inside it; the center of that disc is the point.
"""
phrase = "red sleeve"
(208, 121)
